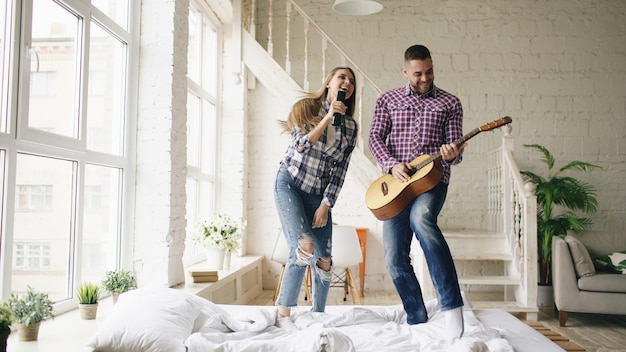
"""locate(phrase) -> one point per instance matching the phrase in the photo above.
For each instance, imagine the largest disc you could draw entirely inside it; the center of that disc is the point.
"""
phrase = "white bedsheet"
(169, 320)
(341, 329)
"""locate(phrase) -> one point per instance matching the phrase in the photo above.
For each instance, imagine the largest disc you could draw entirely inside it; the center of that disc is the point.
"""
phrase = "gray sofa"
(579, 286)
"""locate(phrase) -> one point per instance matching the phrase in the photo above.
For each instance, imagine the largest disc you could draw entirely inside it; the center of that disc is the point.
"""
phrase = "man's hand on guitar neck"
(450, 151)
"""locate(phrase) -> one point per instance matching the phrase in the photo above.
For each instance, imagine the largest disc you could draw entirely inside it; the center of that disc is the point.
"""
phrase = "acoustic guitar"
(386, 197)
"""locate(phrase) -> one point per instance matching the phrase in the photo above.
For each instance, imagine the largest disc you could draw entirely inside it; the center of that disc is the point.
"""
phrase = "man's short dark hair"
(416, 52)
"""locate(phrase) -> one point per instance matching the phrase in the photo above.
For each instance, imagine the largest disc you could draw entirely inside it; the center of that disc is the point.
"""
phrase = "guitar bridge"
(384, 188)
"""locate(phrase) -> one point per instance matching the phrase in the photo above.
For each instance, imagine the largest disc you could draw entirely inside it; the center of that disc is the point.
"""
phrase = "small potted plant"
(220, 237)
(6, 319)
(88, 294)
(118, 281)
(30, 310)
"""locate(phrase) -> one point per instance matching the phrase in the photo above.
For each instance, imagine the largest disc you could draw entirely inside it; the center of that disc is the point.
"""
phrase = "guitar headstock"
(496, 123)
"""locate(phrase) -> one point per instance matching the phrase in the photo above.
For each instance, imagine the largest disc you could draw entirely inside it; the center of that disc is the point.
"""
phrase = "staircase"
(504, 247)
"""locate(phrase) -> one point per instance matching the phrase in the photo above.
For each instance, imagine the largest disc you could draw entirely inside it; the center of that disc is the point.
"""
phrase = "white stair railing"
(513, 205)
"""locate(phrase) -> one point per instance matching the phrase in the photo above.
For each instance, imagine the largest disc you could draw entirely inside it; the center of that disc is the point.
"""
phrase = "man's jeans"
(420, 217)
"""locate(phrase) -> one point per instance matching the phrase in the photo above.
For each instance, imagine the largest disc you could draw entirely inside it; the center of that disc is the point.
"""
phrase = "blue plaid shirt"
(317, 169)
(407, 125)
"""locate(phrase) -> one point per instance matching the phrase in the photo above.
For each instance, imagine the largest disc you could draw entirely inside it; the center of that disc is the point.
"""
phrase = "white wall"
(558, 68)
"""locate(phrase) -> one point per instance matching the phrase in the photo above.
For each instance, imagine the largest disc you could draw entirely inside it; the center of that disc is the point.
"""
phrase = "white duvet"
(342, 329)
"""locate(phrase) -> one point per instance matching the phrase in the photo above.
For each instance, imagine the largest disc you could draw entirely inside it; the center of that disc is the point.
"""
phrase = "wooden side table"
(362, 232)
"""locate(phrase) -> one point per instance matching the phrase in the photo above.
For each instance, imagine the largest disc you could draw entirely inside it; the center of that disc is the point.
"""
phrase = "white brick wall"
(558, 68)
(161, 155)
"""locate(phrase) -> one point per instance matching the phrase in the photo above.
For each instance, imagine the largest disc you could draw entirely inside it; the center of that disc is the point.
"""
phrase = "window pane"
(116, 9)
(193, 130)
(101, 222)
(54, 66)
(107, 74)
(4, 54)
(209, 138)
(3, 154)
(209, 59)
(205, 203)
(44, 206)
(191, 251)
(193, 59)
(199, 207)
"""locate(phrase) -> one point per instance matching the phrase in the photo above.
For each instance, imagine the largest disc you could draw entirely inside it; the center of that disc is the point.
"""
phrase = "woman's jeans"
(296, 209)
(420, 217)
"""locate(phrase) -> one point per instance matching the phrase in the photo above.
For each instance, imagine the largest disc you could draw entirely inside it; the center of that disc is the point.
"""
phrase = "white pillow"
(149, 319)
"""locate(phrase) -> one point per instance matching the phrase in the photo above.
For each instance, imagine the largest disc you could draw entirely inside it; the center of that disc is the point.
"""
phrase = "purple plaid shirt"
(317, 169)
(407, 125)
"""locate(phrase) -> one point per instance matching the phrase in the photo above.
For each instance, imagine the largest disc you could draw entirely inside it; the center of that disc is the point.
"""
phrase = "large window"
(64, 134)
(202, 110)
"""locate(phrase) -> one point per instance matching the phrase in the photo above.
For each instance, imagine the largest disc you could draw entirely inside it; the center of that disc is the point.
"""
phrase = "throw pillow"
(614, 263)
(582, 260)
(149, 319)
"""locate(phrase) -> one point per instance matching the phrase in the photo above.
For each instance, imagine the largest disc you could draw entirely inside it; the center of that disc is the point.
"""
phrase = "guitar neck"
(437, 155)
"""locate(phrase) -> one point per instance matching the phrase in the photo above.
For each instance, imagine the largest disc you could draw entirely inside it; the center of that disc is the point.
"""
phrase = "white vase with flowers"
(220, 237)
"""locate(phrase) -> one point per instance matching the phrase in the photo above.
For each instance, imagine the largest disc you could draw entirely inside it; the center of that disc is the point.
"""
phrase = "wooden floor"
(594, 332)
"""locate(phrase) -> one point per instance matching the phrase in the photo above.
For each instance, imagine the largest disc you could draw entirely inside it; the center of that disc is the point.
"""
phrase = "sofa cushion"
(603, 282)
(615, 262)
(582, 260)
(601, 242)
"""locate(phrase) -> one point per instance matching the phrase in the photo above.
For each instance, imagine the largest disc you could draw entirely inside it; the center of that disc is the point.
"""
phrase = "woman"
(308, 182)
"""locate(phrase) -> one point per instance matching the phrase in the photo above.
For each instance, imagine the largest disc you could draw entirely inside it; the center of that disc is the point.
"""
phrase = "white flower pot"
(545, 296)
(215, 258)
(227, 257)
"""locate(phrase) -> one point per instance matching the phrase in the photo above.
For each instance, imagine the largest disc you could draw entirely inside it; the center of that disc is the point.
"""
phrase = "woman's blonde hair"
(303, 115)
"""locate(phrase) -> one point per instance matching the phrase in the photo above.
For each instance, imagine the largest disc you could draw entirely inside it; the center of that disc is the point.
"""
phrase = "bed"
(170, 320)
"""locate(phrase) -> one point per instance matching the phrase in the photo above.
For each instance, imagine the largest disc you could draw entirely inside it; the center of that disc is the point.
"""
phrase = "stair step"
(475, 241)
(488, 280)
(471, 234)
(504, 305)
(479, 255)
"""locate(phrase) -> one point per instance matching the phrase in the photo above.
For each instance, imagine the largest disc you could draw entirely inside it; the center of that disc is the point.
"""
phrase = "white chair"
(346, 254)
(280, 255)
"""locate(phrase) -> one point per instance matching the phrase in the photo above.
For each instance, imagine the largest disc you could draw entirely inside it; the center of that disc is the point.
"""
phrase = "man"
(410, 121)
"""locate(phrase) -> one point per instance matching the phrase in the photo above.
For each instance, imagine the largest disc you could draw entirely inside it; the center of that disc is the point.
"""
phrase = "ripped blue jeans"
(295, 210)
(420, 218)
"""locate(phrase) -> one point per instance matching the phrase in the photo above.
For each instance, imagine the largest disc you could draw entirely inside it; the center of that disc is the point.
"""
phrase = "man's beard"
(417, 88)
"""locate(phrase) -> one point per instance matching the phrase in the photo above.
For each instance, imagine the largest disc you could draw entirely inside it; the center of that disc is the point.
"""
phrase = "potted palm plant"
(30, 310)
(6, 319)
(88, 294)
(558, 198)
(118, 281)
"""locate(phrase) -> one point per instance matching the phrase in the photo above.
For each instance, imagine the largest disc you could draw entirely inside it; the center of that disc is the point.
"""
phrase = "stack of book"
(204, 275)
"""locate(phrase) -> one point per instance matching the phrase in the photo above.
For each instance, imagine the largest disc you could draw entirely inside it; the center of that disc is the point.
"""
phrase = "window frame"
(194, 254)
(18, 138)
